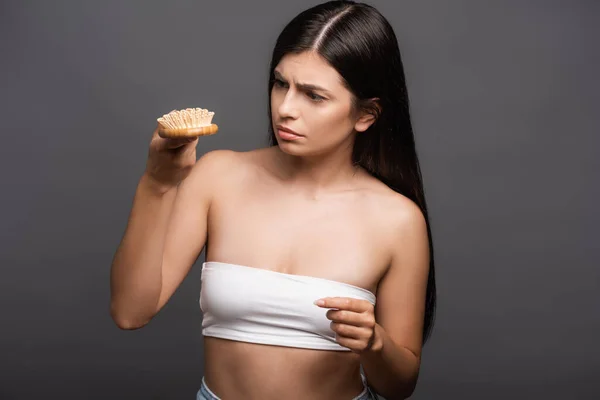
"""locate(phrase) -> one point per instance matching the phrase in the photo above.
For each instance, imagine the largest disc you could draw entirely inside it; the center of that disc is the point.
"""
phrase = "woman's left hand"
(353, 322)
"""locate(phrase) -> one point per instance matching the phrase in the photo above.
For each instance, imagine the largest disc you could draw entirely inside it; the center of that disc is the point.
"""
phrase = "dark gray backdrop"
(504, 101)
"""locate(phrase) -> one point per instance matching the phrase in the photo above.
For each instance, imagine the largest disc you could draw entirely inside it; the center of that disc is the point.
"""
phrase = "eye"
(278, 83)
(315, 97)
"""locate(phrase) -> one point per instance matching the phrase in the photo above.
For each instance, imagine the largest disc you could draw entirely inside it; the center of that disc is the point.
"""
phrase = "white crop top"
(256, 305)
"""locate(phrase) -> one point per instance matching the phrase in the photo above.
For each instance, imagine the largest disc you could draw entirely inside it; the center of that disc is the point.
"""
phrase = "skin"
(300, 208)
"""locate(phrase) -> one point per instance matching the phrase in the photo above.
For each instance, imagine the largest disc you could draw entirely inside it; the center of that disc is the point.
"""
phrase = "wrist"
(150, 184)
(377, 346)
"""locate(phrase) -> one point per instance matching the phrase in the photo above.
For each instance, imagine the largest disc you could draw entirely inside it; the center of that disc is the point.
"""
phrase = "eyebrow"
(303, 86)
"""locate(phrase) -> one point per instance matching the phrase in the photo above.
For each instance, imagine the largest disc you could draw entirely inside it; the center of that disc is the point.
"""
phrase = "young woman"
(333, 210)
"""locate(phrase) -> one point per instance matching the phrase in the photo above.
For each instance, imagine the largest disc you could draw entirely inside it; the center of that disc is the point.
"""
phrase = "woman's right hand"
(170, 160)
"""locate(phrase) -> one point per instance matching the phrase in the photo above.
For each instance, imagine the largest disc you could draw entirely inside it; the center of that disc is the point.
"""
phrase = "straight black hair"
(357, 41)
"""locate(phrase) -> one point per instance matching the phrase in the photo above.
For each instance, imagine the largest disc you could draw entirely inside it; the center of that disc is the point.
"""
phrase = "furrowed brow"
(303, 86)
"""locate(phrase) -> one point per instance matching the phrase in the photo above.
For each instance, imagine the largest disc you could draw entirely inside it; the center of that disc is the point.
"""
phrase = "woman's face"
(308, 97)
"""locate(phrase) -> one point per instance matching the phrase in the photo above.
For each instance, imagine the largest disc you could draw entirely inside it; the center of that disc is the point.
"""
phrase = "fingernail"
(319, 302)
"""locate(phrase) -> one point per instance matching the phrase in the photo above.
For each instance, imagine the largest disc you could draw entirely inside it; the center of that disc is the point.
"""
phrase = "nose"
(288, 108)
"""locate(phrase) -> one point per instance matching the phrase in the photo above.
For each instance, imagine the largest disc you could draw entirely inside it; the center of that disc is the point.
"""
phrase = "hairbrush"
(186, 123)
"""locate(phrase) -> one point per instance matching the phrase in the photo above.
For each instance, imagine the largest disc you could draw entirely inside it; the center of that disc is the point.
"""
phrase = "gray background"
(504, 95)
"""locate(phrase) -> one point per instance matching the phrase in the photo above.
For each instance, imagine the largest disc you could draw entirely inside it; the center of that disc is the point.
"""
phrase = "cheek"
(277, 97)
(333, 123)
(274, 103)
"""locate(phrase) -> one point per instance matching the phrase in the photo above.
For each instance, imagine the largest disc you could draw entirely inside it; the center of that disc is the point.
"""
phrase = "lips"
(286, 129)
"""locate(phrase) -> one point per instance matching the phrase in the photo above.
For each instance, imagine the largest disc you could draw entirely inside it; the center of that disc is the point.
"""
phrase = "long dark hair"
(361, 45)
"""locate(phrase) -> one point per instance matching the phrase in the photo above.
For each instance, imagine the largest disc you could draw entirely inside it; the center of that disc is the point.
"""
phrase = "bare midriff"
(240, 370)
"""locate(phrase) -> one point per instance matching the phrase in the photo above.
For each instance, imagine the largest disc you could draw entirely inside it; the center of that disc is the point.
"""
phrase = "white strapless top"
(256, 305)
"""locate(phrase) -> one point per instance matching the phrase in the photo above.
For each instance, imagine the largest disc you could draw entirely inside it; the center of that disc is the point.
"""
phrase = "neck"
(318, 174)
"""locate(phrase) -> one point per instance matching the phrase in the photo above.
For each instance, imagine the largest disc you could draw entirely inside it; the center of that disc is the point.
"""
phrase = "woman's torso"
(257, 219)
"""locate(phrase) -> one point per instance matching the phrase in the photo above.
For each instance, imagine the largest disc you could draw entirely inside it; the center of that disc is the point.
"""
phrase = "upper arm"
(400, 307)
(187, 228)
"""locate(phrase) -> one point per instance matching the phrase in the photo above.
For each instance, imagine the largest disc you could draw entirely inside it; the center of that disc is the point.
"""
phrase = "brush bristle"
(187, 118)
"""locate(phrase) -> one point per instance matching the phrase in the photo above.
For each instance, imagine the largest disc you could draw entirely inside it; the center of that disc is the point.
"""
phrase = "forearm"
(390, 369)
(136, 271)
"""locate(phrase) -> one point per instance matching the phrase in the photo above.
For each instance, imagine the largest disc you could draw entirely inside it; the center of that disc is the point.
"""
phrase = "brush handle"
(187, 132)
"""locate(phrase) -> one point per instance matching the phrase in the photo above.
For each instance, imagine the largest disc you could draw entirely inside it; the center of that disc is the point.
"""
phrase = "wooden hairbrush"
(187, 123)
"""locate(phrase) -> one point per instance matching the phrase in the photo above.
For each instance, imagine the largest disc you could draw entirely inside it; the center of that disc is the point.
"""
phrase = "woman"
(333, 210)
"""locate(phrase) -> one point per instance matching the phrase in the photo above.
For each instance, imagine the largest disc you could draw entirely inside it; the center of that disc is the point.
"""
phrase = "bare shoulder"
(390, 205)
(399, 220)
(217, 160)
(217, 165)
(207, 177)
(404, 214)
(219, 170)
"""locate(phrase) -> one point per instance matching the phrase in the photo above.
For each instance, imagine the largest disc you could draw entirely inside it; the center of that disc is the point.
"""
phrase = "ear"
(368, 116)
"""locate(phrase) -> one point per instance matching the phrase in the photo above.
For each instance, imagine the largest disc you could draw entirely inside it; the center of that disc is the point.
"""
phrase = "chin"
(296, 150)
(291, 148)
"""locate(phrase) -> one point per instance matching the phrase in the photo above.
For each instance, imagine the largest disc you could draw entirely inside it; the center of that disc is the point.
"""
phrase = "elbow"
(409, 391)
(402, 394)
(127, 322)
(409, 388)
(128, 325)
(404, 389)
